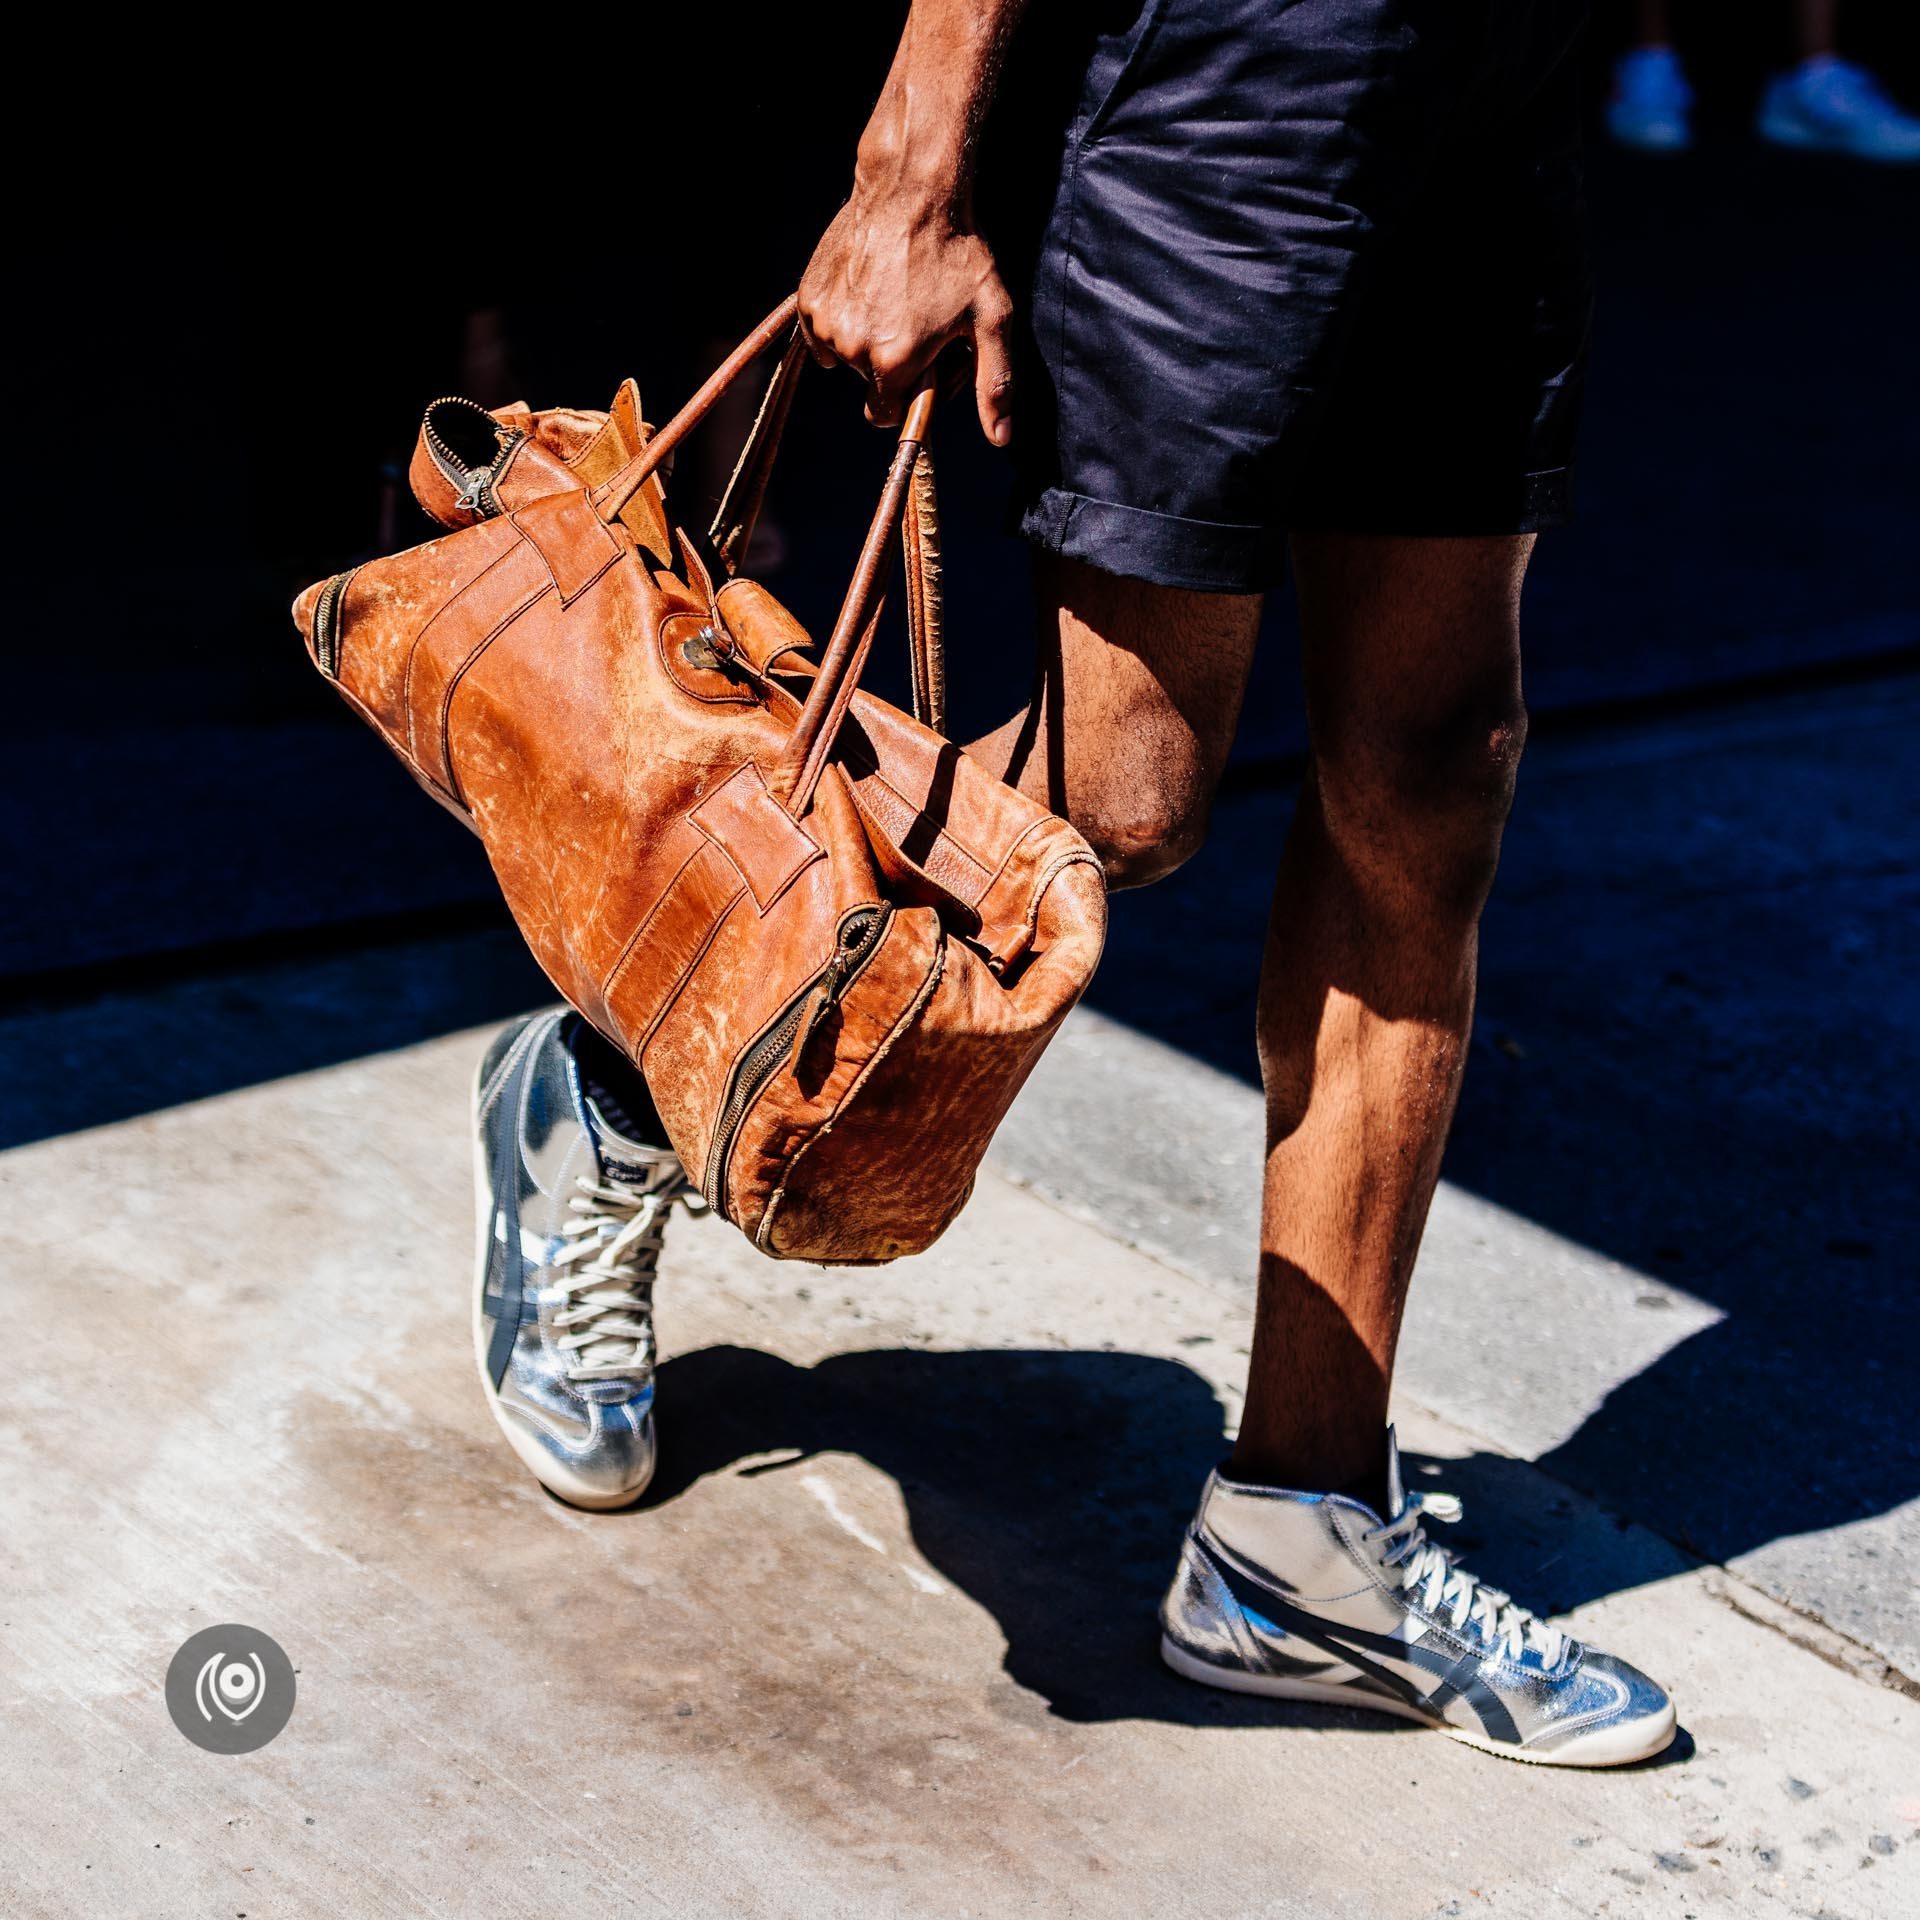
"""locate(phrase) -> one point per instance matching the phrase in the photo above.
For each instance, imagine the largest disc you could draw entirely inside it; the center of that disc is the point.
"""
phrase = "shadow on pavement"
(1053, 1488)
(1697, 1045)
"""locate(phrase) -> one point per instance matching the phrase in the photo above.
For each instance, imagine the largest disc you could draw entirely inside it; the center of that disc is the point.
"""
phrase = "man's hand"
(901, 274)
(891, 284)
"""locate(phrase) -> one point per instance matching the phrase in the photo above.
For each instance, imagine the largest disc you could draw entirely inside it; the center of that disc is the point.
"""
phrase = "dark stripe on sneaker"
(506, 1207)
(1352, 1645)
(1492, 1710)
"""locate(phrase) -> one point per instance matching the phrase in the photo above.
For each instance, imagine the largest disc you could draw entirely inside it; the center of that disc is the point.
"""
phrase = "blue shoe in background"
(1651, 105)
(1829, 105)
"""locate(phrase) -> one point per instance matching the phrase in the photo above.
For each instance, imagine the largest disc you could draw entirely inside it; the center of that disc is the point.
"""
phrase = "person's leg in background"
(1651, 104)
(1412, 670)
(1816, 25)
(1824, 102)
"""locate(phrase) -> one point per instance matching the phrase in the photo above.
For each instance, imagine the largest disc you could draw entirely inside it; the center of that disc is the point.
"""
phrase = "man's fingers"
(809, 314)
(819, 337)
(880, 300)
(993, 363)
(891, 375)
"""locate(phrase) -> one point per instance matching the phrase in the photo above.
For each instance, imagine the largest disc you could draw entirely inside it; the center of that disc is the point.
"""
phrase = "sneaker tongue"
(632, 1165)
(1396, 1487)
(628, 1161)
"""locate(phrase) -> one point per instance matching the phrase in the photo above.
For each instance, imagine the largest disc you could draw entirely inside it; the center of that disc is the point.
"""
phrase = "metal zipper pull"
(855, 940)
(782, 1042)
(473, 486)
(474, 498)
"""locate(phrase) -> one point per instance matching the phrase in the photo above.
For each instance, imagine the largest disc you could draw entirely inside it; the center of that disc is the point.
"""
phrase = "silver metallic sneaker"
(1312, 1596)
(570, 1219)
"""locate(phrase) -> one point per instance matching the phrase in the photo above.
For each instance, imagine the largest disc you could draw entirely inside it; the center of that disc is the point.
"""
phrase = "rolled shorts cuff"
(1206, 556)
(1219, 556)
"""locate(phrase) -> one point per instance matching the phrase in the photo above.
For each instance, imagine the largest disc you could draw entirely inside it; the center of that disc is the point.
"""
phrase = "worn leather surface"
(691, 821)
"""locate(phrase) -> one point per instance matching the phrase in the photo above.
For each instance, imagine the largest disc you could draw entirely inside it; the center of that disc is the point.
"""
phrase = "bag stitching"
(454, 685)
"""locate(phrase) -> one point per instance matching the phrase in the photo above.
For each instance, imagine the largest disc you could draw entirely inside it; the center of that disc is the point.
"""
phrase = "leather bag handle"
(614, 492)
(926, 599)
(908, 500)
(739, 508)
(846, 652)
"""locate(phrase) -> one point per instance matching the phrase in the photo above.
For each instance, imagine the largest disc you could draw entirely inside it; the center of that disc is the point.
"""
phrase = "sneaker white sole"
(1605, 1747)
(544, 1468)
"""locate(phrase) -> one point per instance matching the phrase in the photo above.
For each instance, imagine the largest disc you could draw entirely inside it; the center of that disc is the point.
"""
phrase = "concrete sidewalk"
(880, 1642)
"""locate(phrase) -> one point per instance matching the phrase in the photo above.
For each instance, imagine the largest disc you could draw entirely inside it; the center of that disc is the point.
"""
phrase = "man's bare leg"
(1411, 660)
(1412, 668)
(1414, 692)
(1413, 689)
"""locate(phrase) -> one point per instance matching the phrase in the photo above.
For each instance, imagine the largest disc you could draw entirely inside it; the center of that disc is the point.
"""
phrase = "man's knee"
(1141, 696)
(1142, 836)
(1142, 801)
(1417, 808)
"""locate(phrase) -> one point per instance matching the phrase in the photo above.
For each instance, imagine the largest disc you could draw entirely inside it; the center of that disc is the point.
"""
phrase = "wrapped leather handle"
(926, 598)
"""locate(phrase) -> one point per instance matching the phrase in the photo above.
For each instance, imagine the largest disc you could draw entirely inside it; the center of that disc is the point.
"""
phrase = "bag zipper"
(861, 932)
(326, 623)
(475, 486)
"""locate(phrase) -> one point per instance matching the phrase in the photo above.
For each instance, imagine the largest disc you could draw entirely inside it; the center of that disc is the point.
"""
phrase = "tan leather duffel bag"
(834, 944)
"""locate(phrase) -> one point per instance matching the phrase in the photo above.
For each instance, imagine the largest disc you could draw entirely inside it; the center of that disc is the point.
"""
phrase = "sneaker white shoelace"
(614, 1241)
(1446, 1587)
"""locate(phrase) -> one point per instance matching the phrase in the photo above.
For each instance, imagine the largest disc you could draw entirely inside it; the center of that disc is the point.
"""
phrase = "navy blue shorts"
(1291, 264)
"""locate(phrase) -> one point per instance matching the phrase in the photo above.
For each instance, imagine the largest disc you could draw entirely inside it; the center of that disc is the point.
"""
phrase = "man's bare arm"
(901, 273)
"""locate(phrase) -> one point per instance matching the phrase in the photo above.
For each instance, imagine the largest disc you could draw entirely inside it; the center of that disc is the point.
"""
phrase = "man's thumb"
(993, 365)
